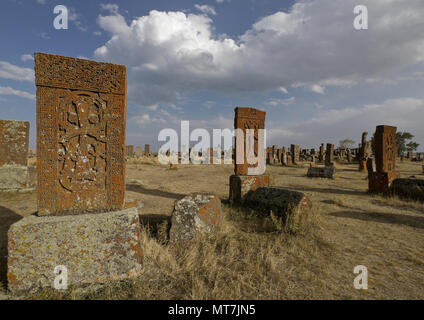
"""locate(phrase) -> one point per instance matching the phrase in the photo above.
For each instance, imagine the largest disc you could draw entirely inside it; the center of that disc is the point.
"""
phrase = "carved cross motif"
(82, 142)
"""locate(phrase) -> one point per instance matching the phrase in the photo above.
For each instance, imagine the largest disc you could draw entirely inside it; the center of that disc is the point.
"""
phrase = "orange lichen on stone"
(81, 110)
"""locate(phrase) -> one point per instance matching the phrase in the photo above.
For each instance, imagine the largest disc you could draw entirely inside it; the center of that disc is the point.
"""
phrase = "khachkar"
(363, 152)
(248, 176)
(14, 172)
(295, 153)
(80, 225)
(380, 179)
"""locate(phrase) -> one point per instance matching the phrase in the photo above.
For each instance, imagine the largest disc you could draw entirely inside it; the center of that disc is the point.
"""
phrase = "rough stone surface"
(81, 109)
(410, 189)
(95, 248)
(195, 213)
(247, 118)
(147, 150)
(381, 177)
(321, 172)
(241, 185)
(17, 177)
(282, 202)
(14, 137)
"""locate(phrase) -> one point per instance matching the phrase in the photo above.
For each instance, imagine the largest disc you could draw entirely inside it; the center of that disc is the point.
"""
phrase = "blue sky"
(318, 78)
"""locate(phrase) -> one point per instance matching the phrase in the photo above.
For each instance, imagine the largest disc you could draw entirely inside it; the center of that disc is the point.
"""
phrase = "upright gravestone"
(244, 180)
(138, 152)
(80, 224)
(14, 172)
(381, 177)
(329, 155)
(129, 151)
(321, 154)
(363, 152)
(295, 153)
(147, 150)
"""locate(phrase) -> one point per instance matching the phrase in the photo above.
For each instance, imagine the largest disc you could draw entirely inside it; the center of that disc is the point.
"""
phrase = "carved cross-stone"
(81, 108)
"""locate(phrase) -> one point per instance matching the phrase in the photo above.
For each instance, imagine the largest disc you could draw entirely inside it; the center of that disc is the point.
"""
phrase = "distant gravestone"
(381, 177)
(295, 153)
(241, 183)
(329, 155)
(129, 151)
(14, 172)
(147, 150)
(139, 152)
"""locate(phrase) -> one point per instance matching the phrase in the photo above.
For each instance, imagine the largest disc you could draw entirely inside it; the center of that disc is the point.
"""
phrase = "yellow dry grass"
(252, 257)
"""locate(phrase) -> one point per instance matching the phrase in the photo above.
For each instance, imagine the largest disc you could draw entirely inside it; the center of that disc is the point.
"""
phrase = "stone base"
(282, 202)
(240, 185)
(95, 248)
(409, 189)
(17, 177)
(321, 172)
(380, 182)
(195, 213)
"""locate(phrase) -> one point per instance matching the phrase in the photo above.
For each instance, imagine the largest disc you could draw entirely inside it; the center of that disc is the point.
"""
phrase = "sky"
(318, 78)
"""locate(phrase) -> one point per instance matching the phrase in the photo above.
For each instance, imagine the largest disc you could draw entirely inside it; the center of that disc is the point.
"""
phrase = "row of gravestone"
(83, 224)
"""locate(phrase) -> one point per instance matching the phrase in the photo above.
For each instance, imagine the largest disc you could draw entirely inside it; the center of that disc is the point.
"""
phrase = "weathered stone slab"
(14, 137)
(81, 110)
(381, 177)
(195, 213)
(329, 155)
(248, 118)
(282, 202)
(95, 248)
(241, 185)
(17, 177)
(321, 172)
(410, 189)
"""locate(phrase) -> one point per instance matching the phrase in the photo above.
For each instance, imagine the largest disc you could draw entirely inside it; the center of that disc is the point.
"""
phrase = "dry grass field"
(254, 258)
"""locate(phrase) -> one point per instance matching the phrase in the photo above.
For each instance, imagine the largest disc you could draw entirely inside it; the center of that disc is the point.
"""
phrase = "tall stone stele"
(381, 177)
(14, 172)
(364, 152)
(242, 181)
(329, 155)
(81, 223)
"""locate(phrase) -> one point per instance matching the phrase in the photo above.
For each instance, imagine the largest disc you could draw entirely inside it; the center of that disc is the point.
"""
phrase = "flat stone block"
(95, 248)
(240, 185)
(15, 177)
(195, 213)
(282, 202)
(321, 172)
(410, 189)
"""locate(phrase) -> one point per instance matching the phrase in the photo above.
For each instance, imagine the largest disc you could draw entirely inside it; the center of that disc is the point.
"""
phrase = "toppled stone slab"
(321, 172)
(17, 177)
(94, 248)
(410, 189)
(195, 213)
(240, 185)
(282, 202)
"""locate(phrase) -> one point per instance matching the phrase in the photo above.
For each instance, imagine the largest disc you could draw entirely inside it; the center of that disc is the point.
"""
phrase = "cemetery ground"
(253, 257)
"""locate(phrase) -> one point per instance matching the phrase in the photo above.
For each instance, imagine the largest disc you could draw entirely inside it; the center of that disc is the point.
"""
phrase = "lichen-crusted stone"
(321, 172)
(282, 202)
(195, 213)
(411, 189)
(240, 185)
(14, 137)
(95, 248)
(16, 177)
(81, 110)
